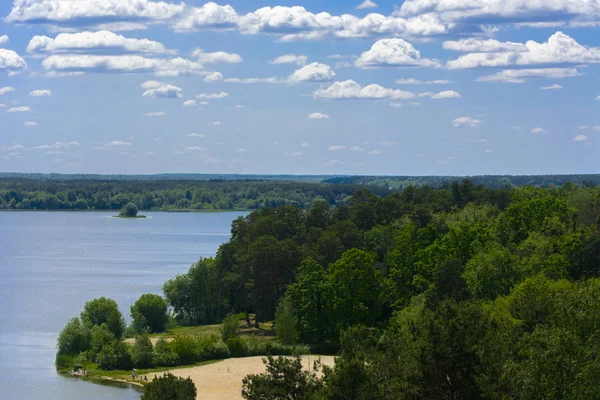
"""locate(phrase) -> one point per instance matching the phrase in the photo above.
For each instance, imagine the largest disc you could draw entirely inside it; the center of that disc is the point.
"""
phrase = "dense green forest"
(167, 195)
(467, 292)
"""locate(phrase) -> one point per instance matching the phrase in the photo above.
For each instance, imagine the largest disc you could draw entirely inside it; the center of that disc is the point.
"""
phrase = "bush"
(212, 348)
(237, 347)
(64, 361)
(230, 328)
(169, 387)
(286, 322)
(185, 348)
(141, 352)
(100, 336)
(104, 311)
(149, 313)
(164, 356)
(129, 211)
(114, 356)
(74, 338)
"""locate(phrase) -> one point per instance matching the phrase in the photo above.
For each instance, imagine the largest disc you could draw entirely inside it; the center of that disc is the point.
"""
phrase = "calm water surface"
(51, 263)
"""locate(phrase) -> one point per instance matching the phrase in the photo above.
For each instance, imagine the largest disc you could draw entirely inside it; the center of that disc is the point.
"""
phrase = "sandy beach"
(223, 380)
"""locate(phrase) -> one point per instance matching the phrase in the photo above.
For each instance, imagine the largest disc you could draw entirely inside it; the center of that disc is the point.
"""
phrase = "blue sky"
(421, 87)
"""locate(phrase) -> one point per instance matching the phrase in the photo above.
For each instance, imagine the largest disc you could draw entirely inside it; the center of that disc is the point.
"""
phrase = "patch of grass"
(94, 372)
(202, 330)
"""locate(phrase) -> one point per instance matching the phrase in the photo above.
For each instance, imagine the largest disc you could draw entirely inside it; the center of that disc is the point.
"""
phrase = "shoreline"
(152, 211)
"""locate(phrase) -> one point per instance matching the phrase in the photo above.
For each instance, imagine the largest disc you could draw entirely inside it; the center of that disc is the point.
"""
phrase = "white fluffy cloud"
(3, 39)
(559, 49)
(19, 109)
(196, 135)
(552, 87)
(314, 72)
(30, 123)
(414, 81)
(210, 16)
(446, 94)
(217, 57)
(349, 89)
(366, 4)
(91, 12)
(40, 93)
(318, 115)
(255, 80)
(155, 114)
(123, 63)
(290, 59)
(91, 41)
(580, 138)
(337, 147)
(157, 89)
(537, 130)
(393, 53)
(6, 89)
(483, 46)
(189, 103)
(213, 77)
(520, 75)
(220, 95)
(333, 163)
(11, 61)
(466, 122)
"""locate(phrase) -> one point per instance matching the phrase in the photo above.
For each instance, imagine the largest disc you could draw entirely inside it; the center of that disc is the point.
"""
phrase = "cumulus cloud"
(213, 77)
(580, 138)
(337, 148)
(318, 115)
(155, 114)
(239, 106)
(294, 154)
(349, 89)
(414, 81)
(483, 46)
(157, 89)
(30, 123)
(357, 148)
(3, 39)
(290, 59)
(314, 72)
(446, 94)
(123, 63)
(255, 80)
(6, 89)
(537, 130)
(220, 95)
(196, 135)
(559, 49)
(40, 93)
(217, 123)
(93, 41)
(386, 143)
(366, 4)
(189, 103)
(18, 109)
(333, 163)
(552, 87)
(393, 53)
(217, 57)
(466, 122)
(91, 12)
(521, 75)
(210, 16)
(242, 150)
(11, 61)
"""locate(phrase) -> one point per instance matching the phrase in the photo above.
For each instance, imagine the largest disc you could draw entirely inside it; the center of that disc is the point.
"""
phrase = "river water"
(51, 263)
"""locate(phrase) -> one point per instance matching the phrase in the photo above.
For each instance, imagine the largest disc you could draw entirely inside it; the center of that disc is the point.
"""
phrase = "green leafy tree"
(230, 327)
(170, 387)
(104, 311)
(164, 356)
(285, 379)
(142, 352)
(491, 273)
(74, 338)
(149, 313)
(286, 322)
(100, 336)
(115, 355)
(129, 211)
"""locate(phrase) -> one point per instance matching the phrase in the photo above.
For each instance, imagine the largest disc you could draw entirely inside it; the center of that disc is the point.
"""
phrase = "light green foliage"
(100, 336)
(286, 322)
(163, 355)
(104, 311)
(491, 273)
(169, 387)
(149, 313)
(73, 338)
(142, 352)
(115, 355)
(230, 328)
(129, 211)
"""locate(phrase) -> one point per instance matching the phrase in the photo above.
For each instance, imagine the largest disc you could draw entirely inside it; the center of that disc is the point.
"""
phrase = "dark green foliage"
(129, 211)
(185, 348)
(115, 355)
(286, 322)
(284, 379)
(100, 336)
(104, 311)
(164, 356)
(170, 387)
(73, 338)
(149, 313)
(142, 352)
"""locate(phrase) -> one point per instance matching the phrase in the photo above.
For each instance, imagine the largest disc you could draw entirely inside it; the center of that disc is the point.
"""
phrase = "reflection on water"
(51, 263)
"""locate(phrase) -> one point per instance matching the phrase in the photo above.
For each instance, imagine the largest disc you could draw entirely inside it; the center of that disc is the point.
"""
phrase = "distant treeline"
(443, 182)
(32, 194)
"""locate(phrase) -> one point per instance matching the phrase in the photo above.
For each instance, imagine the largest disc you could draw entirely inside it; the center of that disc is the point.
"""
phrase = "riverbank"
(214, 380)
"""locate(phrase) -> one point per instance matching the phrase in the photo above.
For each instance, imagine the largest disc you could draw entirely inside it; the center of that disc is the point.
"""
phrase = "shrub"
(164, 356)
(74, 338)
(104, 311)
(286, 322)
(114, 356)
(185, 348)
(237, 347)
(169, 387)
(212, 348)
(64, 361)
(100, 336)
(141, 352)
(149, 312)
(129, 211)
(230, 327)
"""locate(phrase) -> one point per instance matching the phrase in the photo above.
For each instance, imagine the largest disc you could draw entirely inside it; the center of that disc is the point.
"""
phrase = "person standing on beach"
(133, 374)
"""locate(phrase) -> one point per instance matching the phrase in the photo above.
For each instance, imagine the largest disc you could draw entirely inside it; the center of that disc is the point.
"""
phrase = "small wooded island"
(130, 211)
